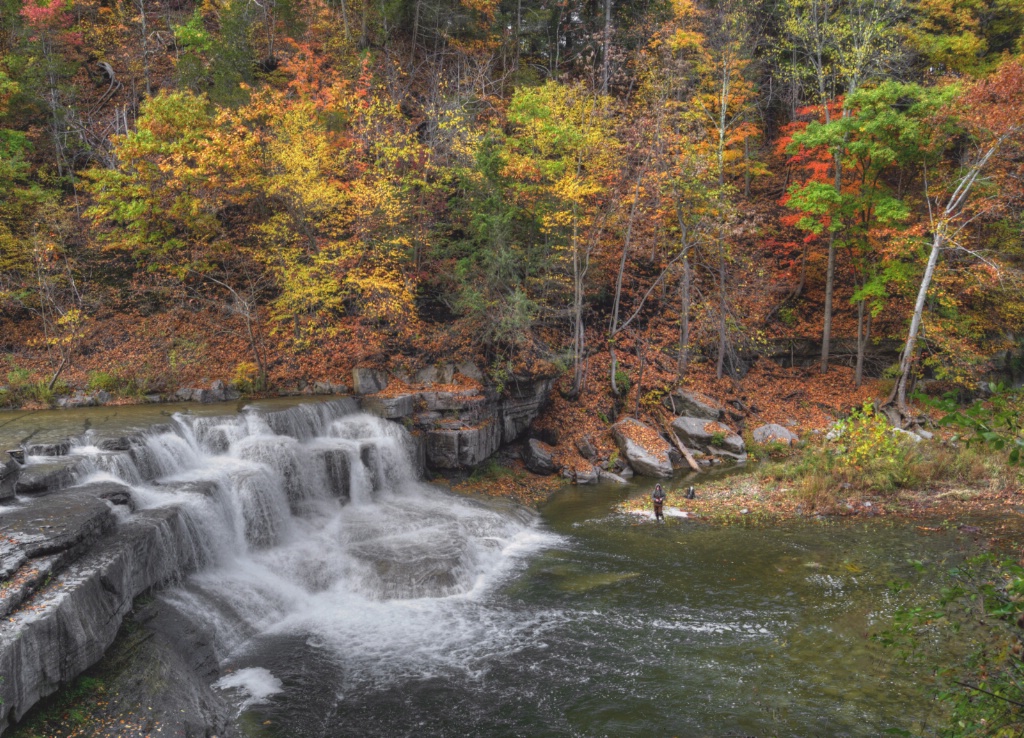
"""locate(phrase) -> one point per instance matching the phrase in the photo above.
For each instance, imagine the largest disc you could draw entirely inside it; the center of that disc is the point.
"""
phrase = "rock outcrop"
(645, 450)
(709, 437)
(367, 381)
(460, 428)
(81, 581)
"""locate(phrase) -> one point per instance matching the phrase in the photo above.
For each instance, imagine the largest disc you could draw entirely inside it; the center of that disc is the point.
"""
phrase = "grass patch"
(823, 475)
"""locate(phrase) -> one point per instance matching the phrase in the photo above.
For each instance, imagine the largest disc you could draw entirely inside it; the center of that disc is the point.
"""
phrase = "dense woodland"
(274, 191)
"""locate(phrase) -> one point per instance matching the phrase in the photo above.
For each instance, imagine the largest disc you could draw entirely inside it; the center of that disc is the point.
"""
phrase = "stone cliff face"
(73, 571)
(459, 428)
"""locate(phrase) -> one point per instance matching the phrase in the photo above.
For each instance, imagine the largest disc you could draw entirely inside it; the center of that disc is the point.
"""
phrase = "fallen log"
(682, 449)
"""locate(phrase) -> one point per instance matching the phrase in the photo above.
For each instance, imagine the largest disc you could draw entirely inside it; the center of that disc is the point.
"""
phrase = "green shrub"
(19, 379)
(100, 380)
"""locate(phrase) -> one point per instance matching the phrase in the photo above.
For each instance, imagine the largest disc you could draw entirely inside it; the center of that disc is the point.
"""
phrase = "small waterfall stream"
(312, 522)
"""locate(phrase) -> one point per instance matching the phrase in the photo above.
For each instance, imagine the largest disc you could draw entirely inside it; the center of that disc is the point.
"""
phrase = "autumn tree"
(836, 47)
(991, 112)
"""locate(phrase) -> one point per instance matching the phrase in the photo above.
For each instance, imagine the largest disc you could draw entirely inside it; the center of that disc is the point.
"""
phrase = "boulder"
(218, 391)
(586, 448)
(700, 434)
(906, 435)
(645, 450)
(693, 405)
(46, 477)
(78, 399)
(589, 475)
(538, 457)
(774, 433)
(367, 381)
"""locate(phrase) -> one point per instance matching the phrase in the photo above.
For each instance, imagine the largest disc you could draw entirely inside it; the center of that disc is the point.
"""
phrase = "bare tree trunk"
(722, 326)
(830, 279)
(940, 233)
(863, 335)
(617, 300)
(415, 35)
(580, 262)
(606, 60)
(684, 319)
(640, 379)
(907, 358)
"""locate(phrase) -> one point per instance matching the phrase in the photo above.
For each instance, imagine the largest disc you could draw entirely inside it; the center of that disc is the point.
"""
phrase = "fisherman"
(658, 498)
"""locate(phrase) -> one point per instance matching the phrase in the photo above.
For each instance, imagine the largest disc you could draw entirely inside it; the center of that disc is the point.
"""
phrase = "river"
(412, 611)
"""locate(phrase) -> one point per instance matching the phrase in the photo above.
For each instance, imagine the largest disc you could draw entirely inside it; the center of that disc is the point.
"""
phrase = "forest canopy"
(293, 186)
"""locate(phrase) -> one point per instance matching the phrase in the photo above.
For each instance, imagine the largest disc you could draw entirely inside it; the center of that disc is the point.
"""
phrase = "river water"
(346, 598)
(605, 627)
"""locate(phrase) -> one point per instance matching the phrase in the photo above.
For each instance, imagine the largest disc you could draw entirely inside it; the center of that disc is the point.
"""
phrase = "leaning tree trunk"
(899, 393)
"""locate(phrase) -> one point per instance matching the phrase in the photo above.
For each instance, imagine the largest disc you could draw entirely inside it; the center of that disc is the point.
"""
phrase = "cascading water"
(312, 522)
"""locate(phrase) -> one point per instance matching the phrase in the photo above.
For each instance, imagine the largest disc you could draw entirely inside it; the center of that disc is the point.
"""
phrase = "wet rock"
(774, 433)
(693, 405)
(367, 381)
(389, 407)
(607, 476)
(46, 477)
(8, 472)
(442, 449)
(60, 448)
(643, 448)
(708, 436)
(337, 466)
(538, 457)
(588, 475)
(626, 472)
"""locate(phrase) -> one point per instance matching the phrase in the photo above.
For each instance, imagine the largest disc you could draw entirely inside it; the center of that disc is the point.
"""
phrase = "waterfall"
(313, 520)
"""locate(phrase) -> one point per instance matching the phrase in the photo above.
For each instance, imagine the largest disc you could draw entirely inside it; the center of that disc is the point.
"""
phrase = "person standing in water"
(658, 498)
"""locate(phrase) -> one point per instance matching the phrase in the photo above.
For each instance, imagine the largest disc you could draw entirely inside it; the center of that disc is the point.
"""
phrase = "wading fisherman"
(658, 498)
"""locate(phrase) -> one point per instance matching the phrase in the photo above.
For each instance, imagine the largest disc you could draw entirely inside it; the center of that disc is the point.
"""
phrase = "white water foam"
(312, 522)
(256, 684)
